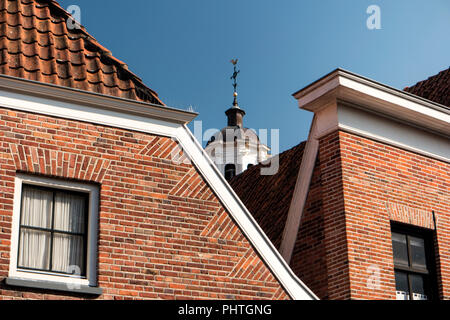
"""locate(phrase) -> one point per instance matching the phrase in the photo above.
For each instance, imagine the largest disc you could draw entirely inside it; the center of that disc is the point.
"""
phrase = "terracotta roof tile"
(435, 88)
(268, 198)
(36, 44)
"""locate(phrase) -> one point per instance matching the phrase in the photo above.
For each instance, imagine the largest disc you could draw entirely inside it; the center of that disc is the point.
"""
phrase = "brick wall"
(335, 233)
(162, 232)
(382, 184)
(365, 186)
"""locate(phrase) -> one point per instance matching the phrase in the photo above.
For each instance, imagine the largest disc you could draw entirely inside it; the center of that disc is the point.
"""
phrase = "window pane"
(68, 254)
(400, 249)
(401, 285)
(418, 287)
(69, 212)
(417, 246)
(36, 207)
(230, 171)
(34, 249)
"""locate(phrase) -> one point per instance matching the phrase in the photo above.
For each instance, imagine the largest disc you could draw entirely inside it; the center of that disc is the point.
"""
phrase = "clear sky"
(182, 49)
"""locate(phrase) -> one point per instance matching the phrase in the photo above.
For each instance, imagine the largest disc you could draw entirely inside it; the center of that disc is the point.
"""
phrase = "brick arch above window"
(58, 163)
(412, 216)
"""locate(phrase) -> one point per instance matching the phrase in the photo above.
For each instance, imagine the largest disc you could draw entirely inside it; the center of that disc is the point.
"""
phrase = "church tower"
(235, 148)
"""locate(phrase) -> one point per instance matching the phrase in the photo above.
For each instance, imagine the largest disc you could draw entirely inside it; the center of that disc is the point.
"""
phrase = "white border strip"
(300, 195)
(87, 98)
(345, 85)
(366, 134)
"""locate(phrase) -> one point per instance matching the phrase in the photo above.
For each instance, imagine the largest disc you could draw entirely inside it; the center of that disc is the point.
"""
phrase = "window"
(54, 236)
(52, 231)
(413, 264)
(247, 142)
(230, 171)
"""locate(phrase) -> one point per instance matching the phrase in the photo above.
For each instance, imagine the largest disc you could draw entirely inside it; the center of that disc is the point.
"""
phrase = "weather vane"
(234, 78)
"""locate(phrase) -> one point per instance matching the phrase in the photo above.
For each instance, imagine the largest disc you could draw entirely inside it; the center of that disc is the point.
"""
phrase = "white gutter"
(97, 100)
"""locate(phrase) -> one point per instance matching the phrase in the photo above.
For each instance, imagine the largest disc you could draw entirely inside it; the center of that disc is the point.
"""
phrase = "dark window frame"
(52, 230)
(429, 274)
(230, 167)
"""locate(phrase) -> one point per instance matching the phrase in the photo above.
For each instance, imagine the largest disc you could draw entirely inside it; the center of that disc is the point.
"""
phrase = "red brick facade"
(162, 231)
(366, 185)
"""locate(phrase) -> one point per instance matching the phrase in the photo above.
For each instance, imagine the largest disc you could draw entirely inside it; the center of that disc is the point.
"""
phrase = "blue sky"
(182, 49)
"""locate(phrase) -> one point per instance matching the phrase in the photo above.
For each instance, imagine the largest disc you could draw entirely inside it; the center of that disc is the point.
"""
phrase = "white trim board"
(370, 109)
(345, 86)
(393, 132)
(300, 194)
(87, 98)
(146, 123)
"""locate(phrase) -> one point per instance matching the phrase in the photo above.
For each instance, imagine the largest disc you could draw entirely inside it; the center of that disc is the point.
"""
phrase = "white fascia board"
(32, 101)
(86, 98)
(345, 86)
(300, 194)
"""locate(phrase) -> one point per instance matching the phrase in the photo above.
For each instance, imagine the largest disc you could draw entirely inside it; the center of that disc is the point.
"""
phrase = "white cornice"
(371, 95)
(344, 101)
(91, 99)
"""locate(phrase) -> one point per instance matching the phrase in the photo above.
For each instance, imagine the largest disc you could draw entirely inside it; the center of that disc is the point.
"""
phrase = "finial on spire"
(234, 78)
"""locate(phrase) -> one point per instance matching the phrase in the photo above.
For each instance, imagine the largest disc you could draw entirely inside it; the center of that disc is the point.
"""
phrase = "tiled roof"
(268, 198)
(435, 88)
(36, 44)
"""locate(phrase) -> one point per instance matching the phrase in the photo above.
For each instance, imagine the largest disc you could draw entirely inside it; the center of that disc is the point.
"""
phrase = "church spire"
(235, 114)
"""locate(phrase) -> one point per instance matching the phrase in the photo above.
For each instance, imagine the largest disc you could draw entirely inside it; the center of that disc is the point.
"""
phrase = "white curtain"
(70, 217)
(36, 212)
(35, 245)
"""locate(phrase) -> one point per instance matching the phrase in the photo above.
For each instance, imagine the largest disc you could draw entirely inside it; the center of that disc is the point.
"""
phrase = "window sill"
(49, 285)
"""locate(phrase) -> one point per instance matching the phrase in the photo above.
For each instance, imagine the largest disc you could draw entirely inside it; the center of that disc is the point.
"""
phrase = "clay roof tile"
(268, 197)
(436, 88)
(36, 44)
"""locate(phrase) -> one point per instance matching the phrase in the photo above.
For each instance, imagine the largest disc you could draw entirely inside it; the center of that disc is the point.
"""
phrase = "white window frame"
(72, 281)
